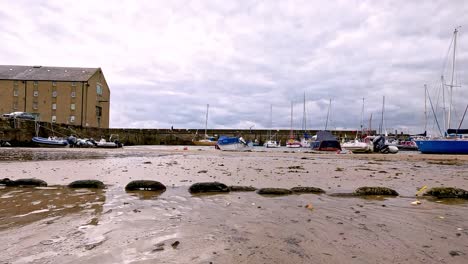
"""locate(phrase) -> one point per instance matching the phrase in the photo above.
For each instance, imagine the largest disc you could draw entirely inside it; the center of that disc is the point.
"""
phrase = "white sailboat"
(207, 141)
(359, 145)
(271, 143)
(306, 139)
(292, 142)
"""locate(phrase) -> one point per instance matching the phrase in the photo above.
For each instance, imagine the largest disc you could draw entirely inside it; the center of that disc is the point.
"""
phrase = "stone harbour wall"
(20, 132)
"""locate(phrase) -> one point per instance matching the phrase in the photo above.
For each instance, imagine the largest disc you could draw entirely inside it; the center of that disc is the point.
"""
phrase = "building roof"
(45, 73)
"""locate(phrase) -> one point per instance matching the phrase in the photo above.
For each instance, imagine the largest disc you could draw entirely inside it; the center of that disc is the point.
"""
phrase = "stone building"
(65, 95)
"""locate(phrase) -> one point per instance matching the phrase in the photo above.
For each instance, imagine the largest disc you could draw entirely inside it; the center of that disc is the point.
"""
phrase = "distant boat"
(360, 145)
(306, 138)
(325, 141)
(233, 144)
(108, 144)
(357, 146)
(50, 142)
(292, 142)
(207, 141)
(455, 141)
(271, 143)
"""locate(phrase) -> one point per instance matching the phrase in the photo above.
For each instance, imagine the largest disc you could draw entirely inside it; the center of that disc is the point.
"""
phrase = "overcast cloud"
(165, 60)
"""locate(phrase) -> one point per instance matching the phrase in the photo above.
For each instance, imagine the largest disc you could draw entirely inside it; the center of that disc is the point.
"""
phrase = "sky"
(166, 60)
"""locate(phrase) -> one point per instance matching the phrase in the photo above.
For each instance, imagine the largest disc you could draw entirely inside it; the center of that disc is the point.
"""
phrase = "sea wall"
(20, 132)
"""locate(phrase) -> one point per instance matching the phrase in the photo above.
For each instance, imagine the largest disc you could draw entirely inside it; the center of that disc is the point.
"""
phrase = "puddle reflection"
(22, 206)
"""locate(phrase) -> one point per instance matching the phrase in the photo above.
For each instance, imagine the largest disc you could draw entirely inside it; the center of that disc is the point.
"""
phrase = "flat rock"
(375, 191)
(145, 185)
(23, 182)
(204, 187)
(95, 184)
(274, 191)
(236, 188)
(447, 192)
(305, 189)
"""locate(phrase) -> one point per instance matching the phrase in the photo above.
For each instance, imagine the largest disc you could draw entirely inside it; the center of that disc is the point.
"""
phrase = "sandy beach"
(55, 224)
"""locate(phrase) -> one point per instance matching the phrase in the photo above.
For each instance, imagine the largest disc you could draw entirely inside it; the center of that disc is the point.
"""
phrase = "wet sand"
(58, 225)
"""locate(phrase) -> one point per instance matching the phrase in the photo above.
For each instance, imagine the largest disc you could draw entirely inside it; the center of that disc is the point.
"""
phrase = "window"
(73, 84)
(54, 94)
(72, 106)
(36, 93)
(54, 83)
(98, 111)
(15, 106)
(73, 94)
(35, 105)
(54, 106)
(35, 83)
(15, 83)
(72, 119)
(54, 119)
(15, 91)
(99, 89)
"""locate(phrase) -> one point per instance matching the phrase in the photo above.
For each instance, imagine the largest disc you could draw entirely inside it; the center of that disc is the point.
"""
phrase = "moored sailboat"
(456, 143)
(207, 140)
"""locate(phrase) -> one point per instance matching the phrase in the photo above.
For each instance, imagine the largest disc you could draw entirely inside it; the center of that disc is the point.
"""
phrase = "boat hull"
(234, 147)
(204, 143)
(443, 146)
(50, 143)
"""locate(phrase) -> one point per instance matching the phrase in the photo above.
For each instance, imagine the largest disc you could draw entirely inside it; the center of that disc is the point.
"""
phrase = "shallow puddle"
(22, 206)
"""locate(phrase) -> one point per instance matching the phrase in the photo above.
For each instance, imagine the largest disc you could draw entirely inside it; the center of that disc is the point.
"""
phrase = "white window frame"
(72, 106)
(54, 106)
(54, 119)
(35, 105)
(73, 94)
(35, 83)
(72, 119)
(99, 89)
(36, 93)
(54, 94)
(15, 92)
(54, 83)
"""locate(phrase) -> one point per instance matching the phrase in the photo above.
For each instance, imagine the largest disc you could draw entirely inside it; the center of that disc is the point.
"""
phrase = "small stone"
(236, 188)
(87, 184)
(375, 191)
(274, 191)
(175, 244)
(145, 185)
(301, 189)
(205, 187)
(454, 253)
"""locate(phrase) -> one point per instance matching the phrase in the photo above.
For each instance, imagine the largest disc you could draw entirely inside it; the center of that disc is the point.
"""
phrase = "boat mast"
(362, 118)
(453, 73)
(271, 121)
(382, 119)
(206, 120)
(328, 114)
(425, 107)
(291, 133)
(304, 118)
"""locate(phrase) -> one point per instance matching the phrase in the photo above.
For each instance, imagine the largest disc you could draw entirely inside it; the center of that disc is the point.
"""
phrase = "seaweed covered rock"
(205, 187)
(95, 184)
(23, 182)
(305, 189)
(447, 192)
(145, 185)
(235, 188)
(274, 191)
(375, 191)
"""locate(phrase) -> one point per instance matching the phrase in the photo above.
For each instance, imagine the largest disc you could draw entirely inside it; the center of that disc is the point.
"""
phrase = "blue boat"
(443, 146)
(50, 142)
(233, 144)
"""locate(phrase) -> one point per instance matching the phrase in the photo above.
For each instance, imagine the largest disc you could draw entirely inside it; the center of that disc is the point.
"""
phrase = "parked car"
(20, 115)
